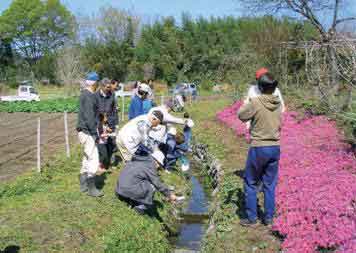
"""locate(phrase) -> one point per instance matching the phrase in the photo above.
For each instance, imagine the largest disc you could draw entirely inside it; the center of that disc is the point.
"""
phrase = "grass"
(228, 235)
(47, 213)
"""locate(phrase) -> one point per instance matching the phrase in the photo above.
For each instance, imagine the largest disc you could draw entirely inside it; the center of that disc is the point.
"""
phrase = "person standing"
(88, 136)
(262, 163)
(136, 105)
(255, 91)
(106, 104)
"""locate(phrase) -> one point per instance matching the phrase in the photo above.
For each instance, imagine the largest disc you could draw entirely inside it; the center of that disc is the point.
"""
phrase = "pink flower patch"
(316, 193)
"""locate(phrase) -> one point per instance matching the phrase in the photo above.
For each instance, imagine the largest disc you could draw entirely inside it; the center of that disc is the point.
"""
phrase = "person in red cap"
(260, 72)
(255, 91)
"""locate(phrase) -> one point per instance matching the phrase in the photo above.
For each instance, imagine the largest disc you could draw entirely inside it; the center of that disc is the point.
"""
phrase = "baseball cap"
(92, 76)
(260, 72)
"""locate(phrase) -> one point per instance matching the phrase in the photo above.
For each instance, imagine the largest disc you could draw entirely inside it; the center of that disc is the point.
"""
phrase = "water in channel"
(194, 217)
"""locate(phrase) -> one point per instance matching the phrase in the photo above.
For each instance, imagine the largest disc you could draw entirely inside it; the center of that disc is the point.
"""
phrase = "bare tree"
(329, 58)
(324, 15)
(69, 68)
(110, 24)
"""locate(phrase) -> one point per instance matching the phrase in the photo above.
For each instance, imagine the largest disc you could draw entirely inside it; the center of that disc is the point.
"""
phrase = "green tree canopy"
(36, 27)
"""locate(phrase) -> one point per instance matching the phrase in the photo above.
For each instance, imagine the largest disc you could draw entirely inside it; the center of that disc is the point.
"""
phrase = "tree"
(325, 16)
(36, 27)
(6, 55)
(69, 70)
(111, 25)
(315, 11)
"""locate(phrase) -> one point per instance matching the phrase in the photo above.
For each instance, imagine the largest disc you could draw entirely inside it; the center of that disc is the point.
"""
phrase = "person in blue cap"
(88, 135)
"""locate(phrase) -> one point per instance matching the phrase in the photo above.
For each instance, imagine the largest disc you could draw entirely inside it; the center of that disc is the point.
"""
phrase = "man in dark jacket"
(139, 180)
(264, 112)
(88, 136)
(106, 104)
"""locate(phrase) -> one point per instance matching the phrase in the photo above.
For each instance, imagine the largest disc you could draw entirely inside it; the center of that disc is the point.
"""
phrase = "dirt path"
(18, 138)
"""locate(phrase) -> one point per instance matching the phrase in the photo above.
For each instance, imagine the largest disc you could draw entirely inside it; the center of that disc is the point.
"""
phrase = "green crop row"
(50, 106)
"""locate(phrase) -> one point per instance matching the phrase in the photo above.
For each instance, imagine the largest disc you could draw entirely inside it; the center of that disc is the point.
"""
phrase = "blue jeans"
(261, 165)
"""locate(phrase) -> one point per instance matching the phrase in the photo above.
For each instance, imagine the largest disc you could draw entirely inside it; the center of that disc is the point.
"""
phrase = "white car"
(24, 93)
(121, 91)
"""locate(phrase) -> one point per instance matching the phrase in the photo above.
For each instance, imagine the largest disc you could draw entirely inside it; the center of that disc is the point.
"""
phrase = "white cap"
(172, 130)
(158, 156)
(189, 123)
(185, 167)
(144, 87)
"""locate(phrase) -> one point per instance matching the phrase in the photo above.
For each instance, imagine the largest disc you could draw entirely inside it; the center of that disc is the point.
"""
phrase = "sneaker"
(268, 222)
(140, 209)
(248, 223)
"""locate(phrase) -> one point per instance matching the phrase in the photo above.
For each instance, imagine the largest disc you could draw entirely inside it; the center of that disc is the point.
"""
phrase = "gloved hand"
(189, 123)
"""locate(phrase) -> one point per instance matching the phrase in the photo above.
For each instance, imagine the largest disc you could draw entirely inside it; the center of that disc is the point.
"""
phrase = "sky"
(151, 9)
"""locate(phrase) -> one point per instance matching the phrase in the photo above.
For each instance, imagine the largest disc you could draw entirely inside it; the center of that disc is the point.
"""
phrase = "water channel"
(194, 217)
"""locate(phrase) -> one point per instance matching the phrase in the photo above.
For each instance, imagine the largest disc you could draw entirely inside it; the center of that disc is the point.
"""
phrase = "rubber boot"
(83, 182)
(92, 190)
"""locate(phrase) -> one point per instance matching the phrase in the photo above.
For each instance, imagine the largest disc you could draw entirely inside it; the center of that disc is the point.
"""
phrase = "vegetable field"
(18, 140)
(50, 106)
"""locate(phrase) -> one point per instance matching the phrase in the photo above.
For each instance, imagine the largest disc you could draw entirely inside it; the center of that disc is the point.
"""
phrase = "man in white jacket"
(136, 133)
(159, 133)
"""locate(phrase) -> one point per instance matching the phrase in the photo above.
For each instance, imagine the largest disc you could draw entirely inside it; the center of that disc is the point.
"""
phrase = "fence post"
(162, 99)
(66, 134)
(39, 144)
(123, 108)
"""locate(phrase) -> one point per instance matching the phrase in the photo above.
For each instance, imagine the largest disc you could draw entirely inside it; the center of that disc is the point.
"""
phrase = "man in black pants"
(106, 104)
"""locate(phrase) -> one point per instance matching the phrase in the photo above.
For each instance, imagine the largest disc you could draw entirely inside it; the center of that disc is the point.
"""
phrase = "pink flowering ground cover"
(316, 193)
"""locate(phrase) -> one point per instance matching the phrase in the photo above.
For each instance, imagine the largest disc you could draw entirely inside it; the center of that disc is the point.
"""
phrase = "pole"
(66, 134)
(123, 108)
(39, 145)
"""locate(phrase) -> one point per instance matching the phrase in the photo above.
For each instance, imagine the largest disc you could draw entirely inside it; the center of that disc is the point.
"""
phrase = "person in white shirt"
(159, 133)
(136, 132)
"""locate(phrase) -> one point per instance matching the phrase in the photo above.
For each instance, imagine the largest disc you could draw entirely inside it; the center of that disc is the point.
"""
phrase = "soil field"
(18, 140)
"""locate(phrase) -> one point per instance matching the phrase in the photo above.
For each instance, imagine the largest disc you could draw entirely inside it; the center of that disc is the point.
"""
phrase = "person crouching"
(139, 180)
(134, 134)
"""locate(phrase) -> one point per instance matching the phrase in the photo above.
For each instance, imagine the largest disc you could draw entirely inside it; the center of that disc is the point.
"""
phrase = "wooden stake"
(66, 134)
(39, 145)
